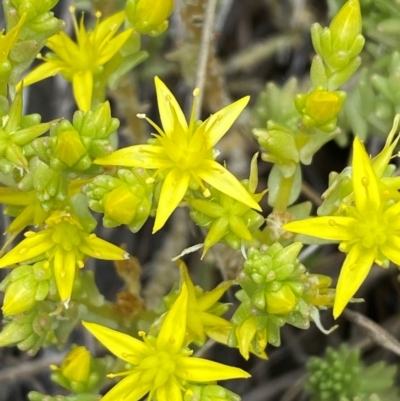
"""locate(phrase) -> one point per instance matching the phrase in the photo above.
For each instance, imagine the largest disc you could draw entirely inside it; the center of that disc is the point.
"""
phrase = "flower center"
(66, 235)
(372, 229)
(158, 368)
(185, 153)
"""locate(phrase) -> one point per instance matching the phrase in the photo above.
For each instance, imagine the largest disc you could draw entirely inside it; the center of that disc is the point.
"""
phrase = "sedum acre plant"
(60, 178)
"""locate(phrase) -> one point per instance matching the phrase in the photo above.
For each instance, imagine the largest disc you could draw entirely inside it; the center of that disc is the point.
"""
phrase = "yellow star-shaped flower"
(79, 61)
(162, 366)
(369, 230)
(64, 243)
(182, 154)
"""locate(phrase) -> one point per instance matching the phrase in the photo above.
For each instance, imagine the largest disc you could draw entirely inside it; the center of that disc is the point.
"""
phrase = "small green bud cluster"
(341, 375)
(71, 147)
(275, 290)
(209, 392)
(50, 186)
(274, 278)
(126, 199)
(25, 286)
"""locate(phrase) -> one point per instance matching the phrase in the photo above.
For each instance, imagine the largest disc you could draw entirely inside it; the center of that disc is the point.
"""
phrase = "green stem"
(282, 200)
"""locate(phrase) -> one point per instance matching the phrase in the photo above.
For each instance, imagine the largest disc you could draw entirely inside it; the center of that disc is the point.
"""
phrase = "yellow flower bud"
(76, 365)
(346, 25)
(149, 16)
(20, 296)
(320, 108)
(121, 204)
(69, 148)
(281, 301)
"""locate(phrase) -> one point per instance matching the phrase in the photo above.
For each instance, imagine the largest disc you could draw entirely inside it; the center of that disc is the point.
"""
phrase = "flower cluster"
(63, 244)
(81, 61)
(182, 154)
(161, 365)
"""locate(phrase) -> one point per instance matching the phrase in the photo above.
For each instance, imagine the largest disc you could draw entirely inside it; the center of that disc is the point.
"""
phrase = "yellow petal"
(365, 183)
(172, 192)
(10, 196)
(29, 248)
(220, 178)
(82, 84)
(193, 322)
(391, 214)
(64, 47)
(189, 284)
(208, 300)
(100, 249)
(238, 227)
(76, 365)
(112, 47)
(202, 370)
(219, 123)
(333, 228)
(145, 156)
(354, 271)
(125, 347)
(108, 27)
(381, 161)
(169, 391)
(214, 321)
(218, 229)
(45, 70)
(391, 249)
(245, 333)
(64, 266)
(129, 388)
(173, 329)
(167, 102)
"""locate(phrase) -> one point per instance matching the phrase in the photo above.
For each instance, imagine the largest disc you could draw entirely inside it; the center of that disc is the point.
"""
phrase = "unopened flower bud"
(346, 25)
(149, 16)
(320, 108)
(69, 148)
(281, 301)
(120, 204)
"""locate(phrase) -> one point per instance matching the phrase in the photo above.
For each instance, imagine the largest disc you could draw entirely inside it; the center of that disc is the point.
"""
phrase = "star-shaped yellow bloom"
(79, 61)
(183, 154)
(368, 232)
(162, 365)
(64, 243)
